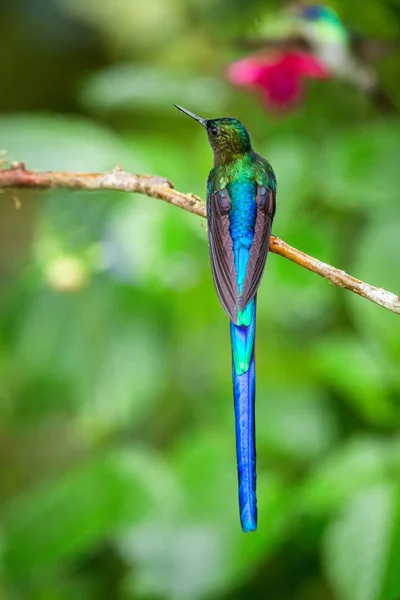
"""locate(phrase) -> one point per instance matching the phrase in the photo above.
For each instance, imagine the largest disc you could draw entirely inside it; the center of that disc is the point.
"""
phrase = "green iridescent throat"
(228, 138)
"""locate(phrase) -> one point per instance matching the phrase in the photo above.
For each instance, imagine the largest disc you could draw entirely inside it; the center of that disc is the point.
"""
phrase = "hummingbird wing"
(222, 254)
(370, 50)
(266, 204)
(221, 251)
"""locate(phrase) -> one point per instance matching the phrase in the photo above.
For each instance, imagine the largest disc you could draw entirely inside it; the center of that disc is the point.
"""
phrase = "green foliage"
(117, 460)
(362, 547)
(44, 527)
(57, 142)
(126, 87)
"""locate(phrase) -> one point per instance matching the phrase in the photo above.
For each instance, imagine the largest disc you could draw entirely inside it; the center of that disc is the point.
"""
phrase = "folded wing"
(221, 249)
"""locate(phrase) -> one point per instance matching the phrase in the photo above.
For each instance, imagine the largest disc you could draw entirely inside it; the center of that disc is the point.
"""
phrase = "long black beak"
(192, 115)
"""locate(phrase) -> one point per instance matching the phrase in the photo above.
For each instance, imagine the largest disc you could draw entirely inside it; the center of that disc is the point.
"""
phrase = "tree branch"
(157, 187)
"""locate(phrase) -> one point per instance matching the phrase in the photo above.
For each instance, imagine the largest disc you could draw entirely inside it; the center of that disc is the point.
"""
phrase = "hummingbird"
(241, 193)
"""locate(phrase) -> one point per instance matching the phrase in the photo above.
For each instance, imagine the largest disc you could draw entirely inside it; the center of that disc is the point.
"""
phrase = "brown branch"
(157, 187)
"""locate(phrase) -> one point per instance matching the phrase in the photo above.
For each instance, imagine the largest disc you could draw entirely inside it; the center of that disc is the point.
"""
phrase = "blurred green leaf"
(351, 468)
(65, 143)
(290, 154)
(202, 549)
(304, 426)
(359, 372)
(128, 87)
(176, 560)
(107, 364)
(66, 517)
(134, 23)
(360, 169)
(362, 548)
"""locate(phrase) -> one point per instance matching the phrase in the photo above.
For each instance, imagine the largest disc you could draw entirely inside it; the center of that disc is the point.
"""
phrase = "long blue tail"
(243, 372)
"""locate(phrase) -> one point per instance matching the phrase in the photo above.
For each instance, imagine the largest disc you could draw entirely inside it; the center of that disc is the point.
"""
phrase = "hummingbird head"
(228, 137)
(319, 13)
(321, 25)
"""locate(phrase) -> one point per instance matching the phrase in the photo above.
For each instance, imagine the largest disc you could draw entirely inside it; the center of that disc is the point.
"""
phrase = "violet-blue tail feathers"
(243, 374)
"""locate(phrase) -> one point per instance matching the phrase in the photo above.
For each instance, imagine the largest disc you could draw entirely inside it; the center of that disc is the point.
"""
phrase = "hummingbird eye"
(214, 130)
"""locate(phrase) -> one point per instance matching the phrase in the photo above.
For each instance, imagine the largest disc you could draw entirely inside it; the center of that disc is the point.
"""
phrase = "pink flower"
(278, 75)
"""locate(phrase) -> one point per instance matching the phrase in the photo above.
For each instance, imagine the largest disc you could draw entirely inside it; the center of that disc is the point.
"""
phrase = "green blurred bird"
(318, 31)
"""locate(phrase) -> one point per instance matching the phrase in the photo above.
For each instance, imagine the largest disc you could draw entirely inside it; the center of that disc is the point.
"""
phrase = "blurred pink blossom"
(278, 75)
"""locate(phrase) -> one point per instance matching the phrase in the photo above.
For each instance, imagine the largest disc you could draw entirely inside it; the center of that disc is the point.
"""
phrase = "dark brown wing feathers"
(221, 250)
(222, 258)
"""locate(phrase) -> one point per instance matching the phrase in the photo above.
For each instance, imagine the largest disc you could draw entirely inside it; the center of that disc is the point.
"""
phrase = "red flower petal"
(305, 64)
(246, 71)
(278, 75)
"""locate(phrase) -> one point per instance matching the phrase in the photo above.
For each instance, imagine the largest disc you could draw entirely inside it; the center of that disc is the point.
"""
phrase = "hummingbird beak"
(192, 115)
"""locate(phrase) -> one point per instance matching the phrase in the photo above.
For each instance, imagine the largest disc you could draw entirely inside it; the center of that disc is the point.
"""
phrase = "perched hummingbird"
(241, 191)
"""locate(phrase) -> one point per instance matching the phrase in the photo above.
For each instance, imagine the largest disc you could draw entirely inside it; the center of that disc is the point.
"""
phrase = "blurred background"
(117, 459)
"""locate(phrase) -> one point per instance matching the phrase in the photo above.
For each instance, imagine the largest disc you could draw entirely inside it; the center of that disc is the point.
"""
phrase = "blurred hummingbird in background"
(241, 192)
(310, 41)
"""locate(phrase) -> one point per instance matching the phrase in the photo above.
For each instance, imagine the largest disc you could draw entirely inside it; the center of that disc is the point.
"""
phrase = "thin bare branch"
(158, 187)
